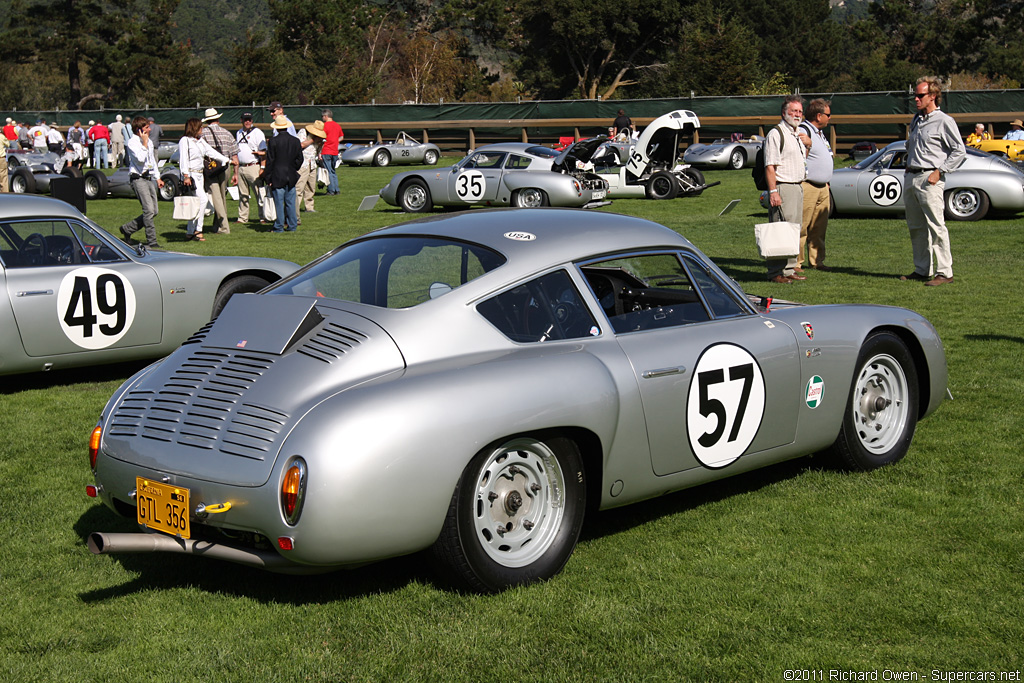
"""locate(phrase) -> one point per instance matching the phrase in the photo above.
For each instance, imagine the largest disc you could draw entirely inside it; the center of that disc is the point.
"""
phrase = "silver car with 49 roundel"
(471, 384)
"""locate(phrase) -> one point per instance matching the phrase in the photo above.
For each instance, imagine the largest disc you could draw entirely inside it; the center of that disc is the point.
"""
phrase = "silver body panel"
(875, 185)
(388, 405)
(160, 297)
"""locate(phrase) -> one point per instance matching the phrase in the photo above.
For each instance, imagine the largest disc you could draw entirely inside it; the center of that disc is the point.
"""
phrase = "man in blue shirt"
(1016, 132)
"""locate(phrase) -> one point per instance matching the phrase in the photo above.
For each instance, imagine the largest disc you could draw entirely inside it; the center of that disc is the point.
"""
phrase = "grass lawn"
(912, 569)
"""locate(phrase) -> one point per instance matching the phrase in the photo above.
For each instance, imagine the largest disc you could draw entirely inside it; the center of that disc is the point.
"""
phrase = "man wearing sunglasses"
(934, 148)
(815, 186)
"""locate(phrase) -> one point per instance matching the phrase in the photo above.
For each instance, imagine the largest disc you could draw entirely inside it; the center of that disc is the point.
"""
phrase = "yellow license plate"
(162, 507)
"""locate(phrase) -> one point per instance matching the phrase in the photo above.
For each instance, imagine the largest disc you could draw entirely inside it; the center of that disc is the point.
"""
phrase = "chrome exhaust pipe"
(101, 543)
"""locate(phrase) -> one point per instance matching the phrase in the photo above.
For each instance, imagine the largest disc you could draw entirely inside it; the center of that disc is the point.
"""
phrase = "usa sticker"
(96, 307)
(808, 330)
(520, 236)
(815, 392)
(725, 405)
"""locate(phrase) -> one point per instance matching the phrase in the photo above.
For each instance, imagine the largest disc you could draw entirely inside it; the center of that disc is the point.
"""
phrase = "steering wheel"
(30, 255)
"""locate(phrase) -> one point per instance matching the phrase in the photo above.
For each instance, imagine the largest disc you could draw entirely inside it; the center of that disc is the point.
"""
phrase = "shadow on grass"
(13, 384)
(169, 570)
(753, 270)
(993, 337)
(162, 571)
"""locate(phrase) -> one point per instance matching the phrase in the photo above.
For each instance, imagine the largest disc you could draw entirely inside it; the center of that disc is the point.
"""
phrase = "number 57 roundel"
(725, 404)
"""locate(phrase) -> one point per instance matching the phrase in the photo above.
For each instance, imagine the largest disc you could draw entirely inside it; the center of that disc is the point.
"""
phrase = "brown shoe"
(822, 268)
(798, 269)
(781, 279)
(938, 280)
(913, 276)
(794, 276)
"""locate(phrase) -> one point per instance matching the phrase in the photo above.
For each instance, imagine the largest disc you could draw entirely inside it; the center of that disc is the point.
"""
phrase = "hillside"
(213, 27)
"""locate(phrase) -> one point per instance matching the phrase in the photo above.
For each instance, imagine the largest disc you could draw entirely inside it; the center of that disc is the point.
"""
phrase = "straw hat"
(280, 122)
(316, 128)
(211, 115)
(1017, 122)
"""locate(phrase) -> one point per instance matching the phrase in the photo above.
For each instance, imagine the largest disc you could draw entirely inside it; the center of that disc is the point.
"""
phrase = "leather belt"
(919, 170)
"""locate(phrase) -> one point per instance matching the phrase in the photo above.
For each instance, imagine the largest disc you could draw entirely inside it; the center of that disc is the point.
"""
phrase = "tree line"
(91, 54)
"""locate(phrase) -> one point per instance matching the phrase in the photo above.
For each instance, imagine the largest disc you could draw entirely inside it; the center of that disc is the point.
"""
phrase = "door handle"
(36, 292)
(662, 372)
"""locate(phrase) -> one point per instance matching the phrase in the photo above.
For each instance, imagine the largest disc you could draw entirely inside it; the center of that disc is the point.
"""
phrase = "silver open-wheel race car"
(404, 149)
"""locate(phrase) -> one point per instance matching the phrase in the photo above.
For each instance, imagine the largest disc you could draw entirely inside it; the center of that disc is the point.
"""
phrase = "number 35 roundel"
(725, 404)
(96, 307)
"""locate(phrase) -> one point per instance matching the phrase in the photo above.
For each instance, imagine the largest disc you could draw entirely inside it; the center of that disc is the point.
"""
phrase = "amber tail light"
(94, 446)
(293, 490)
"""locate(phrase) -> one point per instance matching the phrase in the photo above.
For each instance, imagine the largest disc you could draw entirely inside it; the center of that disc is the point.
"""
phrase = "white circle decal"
(520, 236)
(725, 404)
(885, 190)
(96, 306)
(469, 186)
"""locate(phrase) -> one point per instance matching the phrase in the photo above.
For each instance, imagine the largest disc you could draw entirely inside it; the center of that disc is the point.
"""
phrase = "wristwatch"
(775, 191)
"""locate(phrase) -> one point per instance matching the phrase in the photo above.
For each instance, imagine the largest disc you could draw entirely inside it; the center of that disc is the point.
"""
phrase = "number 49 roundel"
(96, 306)
(725, 404)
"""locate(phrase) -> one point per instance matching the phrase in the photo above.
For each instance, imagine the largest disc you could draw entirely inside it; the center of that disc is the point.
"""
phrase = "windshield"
(392, 272)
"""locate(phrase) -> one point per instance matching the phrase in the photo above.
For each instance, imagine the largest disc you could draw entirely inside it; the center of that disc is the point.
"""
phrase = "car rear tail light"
(286, 543)
(94, 446)
(293, 490)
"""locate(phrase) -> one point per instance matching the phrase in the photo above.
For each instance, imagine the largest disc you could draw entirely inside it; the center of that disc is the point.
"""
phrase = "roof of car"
(544, 236)
(29, 205)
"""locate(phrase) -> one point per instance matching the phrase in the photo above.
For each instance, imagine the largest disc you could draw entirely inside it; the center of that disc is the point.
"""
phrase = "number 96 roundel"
(96, 307)
(725, 404)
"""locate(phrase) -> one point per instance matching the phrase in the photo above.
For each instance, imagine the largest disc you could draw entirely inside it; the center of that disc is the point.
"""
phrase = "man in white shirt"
(145, 181)
(785, 149)
(252, 147)
(38, 134)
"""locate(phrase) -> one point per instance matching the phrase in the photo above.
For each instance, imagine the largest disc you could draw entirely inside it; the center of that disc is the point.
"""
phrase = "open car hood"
(580, 151)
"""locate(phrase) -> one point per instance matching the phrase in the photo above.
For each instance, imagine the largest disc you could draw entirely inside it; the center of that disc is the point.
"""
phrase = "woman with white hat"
(192, 152)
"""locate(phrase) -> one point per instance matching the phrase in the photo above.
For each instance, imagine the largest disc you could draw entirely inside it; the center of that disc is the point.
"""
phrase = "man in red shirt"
(10, 133)
(100, 136)
(329, 153)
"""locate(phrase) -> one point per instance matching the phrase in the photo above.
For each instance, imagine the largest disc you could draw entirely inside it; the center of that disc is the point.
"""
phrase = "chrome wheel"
(880, 404)
(381, 158)
(737, 159)
(414, 197)
(530, 198)
(430, 158)
(966, 204)
(519, 503)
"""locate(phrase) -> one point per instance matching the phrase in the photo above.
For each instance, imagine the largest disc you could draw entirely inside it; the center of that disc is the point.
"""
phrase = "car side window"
(644, 292)
(720, 299)
(547, 308)
(485, 160)
(516, 161)
(95, 248)
(899, 160)
(30, 244)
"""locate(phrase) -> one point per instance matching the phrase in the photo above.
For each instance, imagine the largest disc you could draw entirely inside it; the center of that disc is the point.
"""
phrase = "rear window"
(392, 272)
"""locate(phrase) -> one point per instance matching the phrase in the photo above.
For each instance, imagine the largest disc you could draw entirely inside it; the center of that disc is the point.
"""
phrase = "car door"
(477, 180)
(881, 187)
(717, 381)
(73, 291)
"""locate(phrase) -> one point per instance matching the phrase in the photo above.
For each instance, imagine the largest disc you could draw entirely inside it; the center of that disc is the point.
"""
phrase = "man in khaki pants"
(217, 186)
(252, 148)
(4, 183)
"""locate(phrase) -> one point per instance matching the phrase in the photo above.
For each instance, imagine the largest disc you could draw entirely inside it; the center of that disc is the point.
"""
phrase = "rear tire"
(966, 204)
(71, 172)
(881, 412)
(242, 284)
(515, 515)
(430, 158)
(529, 198)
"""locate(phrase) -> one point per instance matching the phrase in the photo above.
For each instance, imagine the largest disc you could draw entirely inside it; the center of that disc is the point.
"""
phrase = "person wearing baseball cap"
(276, 109)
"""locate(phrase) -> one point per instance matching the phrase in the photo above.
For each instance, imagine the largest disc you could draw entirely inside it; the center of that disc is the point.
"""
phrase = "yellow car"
(1010, 149)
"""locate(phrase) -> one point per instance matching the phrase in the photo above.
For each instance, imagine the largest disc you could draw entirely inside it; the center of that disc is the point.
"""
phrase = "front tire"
(515, 515)
(242, 284)
(22, 181)
(414, 196)
(529, 198)
(381, 158)
(881, 413)
(966, 204)
(737, 159)
(662, 185)
(170, 190)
